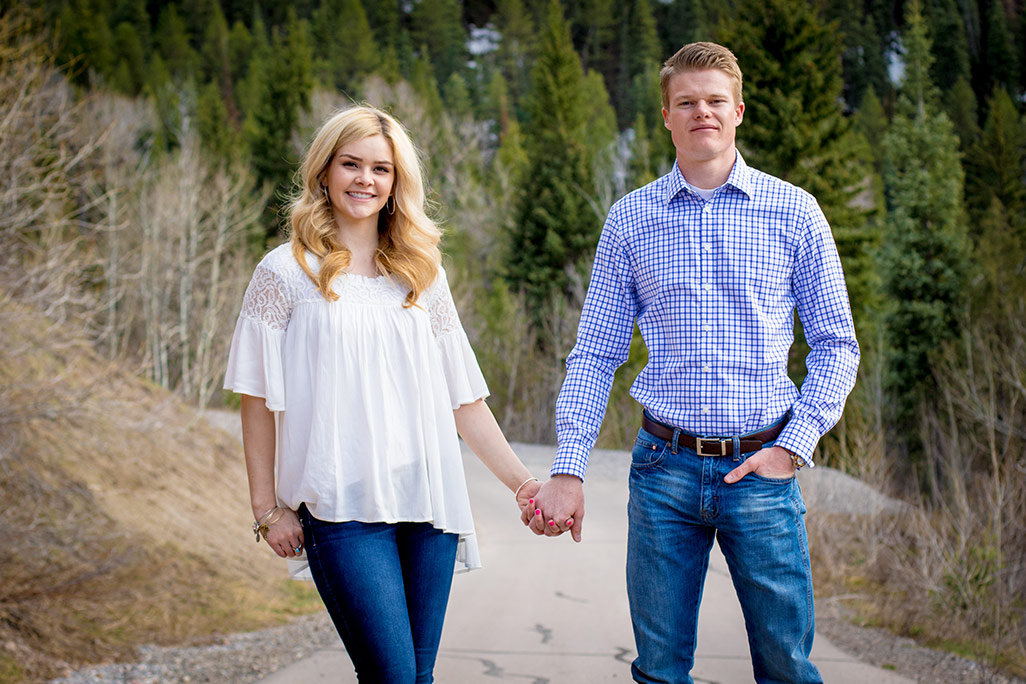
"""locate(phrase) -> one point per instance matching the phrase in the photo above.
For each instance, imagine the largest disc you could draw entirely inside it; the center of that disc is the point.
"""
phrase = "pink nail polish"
(552, 523)
(537, 511)
(531, 502)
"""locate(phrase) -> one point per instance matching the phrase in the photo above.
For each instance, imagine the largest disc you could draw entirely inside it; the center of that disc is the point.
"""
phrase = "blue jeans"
(678, 504)
(386, 587)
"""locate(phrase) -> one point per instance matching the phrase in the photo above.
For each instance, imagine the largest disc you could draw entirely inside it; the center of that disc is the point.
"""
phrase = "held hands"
(773, 462)
(283, 533)
(558, 506)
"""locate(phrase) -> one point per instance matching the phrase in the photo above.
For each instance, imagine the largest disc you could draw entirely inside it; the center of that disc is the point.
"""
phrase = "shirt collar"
(740, 178)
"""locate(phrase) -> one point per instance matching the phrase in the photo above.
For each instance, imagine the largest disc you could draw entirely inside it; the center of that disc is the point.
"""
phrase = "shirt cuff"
(570, 460)
(799, 438)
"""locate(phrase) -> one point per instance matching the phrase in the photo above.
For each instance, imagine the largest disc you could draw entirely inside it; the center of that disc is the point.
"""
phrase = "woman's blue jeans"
(678, 504)
(386, 587)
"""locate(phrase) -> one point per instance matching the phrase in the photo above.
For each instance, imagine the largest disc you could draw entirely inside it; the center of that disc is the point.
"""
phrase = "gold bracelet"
(798, 462)
(517, 493)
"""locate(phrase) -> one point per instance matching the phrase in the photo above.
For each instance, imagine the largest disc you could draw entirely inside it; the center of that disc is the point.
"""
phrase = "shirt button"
(707, 247)
(706, 286)
(706, 328)
(706, 369)
(705, 410)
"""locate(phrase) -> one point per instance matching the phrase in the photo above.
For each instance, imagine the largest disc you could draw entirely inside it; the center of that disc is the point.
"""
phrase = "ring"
(298, 548)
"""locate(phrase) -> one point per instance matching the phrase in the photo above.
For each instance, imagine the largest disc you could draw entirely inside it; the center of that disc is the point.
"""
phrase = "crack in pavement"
(545, 632)
(561, 595)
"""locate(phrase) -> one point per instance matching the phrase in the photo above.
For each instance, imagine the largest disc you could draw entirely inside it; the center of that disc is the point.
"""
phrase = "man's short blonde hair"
(699, 57)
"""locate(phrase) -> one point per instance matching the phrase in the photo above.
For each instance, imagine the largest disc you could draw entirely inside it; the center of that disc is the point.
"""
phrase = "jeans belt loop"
(736, 440)
(674, 441)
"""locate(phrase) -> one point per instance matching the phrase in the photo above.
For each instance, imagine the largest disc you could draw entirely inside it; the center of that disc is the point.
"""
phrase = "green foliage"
(593, 26)
(438, 24)
(173, 45)
(345, 45)
(640, 60)
(84, 41)
(960, 103)
(516, 47)
(862, 59)
(128, 56)
(871, 122)
(556, 226)
(994, 166)
(925, 249)
(1002, 64)
(281, 87)
(215, 52)
(217, 134)
(794, 125)
(949, 43)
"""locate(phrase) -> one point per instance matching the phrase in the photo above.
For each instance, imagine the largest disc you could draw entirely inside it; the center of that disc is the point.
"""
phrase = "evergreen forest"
(147, 149)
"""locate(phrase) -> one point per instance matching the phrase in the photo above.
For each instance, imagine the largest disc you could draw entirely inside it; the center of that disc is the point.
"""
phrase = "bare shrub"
(951, 568)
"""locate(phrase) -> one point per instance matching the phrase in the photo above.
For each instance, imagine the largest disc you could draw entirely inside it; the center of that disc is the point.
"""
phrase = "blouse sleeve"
(255, 361)
(462, 373)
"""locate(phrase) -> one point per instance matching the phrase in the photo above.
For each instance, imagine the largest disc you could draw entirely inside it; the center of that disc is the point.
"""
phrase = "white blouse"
(365, 391)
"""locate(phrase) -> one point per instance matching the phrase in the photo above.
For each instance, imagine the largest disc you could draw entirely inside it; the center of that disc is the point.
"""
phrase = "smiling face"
(702, 117)
(359, 179)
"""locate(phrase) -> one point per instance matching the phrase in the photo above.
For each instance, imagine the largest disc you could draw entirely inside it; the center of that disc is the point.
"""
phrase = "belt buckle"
(722, 442)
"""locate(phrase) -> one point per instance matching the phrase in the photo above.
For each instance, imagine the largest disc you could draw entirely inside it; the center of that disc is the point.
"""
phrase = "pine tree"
(85, 42)
(862, 60)
(960, 103)
(555, 227)
(240, 48)
(346, 50)
(516, 47)
(794, 125)
(217, 133)
(457, 96)
(950, 46)
(593, 27)
(995, 165)
(438, 24)
(425, 85)
(172, 41)
(129, 58)
(281, 89)
(639, 60)
(925, 248)
(133, 13)
(1001, 60)
(680, 23)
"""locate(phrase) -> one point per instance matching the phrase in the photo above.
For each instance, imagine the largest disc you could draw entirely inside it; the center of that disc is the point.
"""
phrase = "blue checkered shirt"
(713, 286)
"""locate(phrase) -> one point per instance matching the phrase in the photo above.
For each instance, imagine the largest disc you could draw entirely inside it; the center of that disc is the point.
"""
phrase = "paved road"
(548, 611)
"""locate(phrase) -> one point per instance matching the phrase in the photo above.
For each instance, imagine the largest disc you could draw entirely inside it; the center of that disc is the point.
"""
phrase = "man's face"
(702, 115)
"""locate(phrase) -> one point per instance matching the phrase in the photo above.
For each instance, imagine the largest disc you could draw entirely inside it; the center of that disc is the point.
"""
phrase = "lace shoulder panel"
(437, 301)
(268, 298)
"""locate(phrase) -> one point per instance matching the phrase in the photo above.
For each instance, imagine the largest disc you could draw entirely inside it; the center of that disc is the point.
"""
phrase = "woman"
(349, 336)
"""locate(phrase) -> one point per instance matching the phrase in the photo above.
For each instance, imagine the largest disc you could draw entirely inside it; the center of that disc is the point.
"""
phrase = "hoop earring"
(327, 197)
(390, 205)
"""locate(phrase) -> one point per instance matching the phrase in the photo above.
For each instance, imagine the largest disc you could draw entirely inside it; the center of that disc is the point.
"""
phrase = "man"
(711, 261)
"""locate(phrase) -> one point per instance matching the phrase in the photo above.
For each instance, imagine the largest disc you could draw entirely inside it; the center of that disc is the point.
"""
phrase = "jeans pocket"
(647, 452)
(771, 480)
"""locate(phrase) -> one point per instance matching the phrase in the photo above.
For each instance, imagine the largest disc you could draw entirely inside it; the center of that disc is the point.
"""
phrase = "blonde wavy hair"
(408, 239)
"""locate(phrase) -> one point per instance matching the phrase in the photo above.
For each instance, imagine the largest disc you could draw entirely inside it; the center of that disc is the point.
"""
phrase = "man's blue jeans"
(678, 504)
(386, 587)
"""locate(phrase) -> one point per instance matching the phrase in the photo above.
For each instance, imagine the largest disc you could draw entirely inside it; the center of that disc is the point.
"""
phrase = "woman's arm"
(478, 428)
(285, 535)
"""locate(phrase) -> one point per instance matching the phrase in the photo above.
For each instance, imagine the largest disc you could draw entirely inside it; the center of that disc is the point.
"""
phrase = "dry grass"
(950, 569)
(125, 514)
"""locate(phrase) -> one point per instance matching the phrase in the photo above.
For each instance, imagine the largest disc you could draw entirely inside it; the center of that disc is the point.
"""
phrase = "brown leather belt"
(713, 446)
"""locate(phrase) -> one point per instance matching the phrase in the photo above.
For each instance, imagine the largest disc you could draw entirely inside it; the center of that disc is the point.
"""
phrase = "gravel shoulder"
(251, 656)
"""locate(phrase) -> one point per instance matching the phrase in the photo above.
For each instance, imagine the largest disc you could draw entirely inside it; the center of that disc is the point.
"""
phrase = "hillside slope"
(125, 515)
